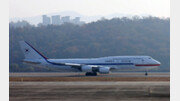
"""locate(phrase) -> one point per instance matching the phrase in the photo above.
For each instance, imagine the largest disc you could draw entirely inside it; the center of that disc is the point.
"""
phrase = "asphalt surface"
(130, 86)
(78, 74)
(88, 91)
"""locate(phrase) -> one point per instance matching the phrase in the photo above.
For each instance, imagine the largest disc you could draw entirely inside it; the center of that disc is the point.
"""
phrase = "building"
(56, 20)
(46, 20)
(76, 20)
(65, 19)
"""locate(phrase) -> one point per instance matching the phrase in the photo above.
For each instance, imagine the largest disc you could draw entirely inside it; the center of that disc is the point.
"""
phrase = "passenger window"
(125, 60)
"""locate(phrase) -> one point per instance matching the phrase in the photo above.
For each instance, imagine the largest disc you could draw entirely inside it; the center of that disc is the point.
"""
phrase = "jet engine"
(104, 70)
(86, 68)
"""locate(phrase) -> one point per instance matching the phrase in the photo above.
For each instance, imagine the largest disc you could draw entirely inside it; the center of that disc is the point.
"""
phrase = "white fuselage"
(91, 66)
(114, 62)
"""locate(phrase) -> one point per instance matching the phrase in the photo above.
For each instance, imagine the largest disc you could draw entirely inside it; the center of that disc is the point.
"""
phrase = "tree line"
(117, 36)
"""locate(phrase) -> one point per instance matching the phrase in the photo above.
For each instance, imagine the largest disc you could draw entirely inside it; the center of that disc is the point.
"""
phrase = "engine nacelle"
(104, 70)
(86, 68)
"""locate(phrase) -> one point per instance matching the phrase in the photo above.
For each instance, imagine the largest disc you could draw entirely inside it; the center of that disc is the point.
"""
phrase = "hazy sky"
(28, 8)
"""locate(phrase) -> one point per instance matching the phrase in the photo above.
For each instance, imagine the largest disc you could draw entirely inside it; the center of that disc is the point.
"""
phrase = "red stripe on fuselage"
(147, 65)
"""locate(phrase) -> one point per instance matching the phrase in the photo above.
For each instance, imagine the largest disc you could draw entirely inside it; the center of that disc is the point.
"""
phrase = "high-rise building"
(46, 20)
(56, 20)
(76, 20)
(65, 19)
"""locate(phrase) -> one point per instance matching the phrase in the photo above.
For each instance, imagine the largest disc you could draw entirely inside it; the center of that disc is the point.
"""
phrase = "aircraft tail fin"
(30, 52)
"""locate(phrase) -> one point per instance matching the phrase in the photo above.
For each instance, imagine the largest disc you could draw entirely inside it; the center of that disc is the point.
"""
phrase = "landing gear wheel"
(95, 73)
(146, 74)
(88, 74)
(91, 74)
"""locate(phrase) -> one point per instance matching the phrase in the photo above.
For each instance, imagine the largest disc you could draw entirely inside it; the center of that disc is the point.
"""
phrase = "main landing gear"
(91, 73)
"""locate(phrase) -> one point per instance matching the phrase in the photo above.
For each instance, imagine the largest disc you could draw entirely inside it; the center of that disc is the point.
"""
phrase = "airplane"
(91, 66)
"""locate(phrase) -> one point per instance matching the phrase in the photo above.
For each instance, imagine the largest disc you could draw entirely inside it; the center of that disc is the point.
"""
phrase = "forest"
(106, 37)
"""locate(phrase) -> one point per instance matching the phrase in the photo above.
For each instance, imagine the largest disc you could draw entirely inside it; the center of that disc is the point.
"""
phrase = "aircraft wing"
(72, 64)
(78, 66)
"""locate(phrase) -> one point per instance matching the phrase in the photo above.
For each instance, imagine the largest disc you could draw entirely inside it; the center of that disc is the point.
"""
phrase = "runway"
(81, 77)
(83, 91)
(80, 74)
(123, 86)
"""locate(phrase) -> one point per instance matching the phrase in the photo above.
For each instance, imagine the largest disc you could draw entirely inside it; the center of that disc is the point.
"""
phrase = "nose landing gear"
(91, 73)
(146, 73)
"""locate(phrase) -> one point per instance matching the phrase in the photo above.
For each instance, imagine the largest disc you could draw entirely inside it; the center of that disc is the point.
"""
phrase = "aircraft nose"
(157, 62)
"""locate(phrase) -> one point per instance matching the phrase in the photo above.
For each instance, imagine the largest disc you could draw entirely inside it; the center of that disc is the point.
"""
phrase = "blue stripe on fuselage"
(61, 64)
(109, 63)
